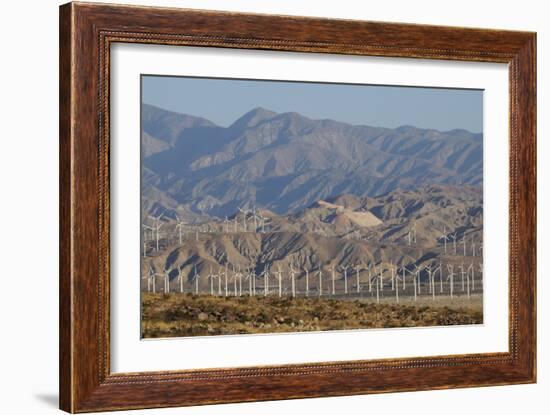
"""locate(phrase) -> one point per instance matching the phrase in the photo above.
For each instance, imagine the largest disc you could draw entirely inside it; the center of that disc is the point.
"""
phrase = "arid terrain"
(180, 315)
(280, 207)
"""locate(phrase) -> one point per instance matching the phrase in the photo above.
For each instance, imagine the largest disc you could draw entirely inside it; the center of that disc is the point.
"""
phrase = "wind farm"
(282, 223)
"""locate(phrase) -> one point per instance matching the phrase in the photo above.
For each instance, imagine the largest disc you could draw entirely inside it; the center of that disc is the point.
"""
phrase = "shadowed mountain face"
(287, 162)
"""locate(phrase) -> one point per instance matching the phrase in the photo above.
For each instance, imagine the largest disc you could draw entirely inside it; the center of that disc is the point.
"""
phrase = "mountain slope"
(285, 162)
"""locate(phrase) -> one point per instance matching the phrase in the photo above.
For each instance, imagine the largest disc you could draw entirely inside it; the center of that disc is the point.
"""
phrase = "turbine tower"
(445, 238)
(196, 278)
(156, 227)
(345, 269)
(358, 282)
(179, 227)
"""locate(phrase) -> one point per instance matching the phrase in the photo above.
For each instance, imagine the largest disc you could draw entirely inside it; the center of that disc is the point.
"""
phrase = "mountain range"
(286, 162)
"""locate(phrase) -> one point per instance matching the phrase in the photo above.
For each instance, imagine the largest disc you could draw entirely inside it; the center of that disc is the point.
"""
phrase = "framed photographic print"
(260, 207)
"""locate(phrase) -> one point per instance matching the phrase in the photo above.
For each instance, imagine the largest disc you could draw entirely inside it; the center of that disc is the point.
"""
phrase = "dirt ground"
(181, 315)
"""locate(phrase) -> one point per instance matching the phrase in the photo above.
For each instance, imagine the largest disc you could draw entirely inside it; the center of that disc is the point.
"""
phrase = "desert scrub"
(180, 315)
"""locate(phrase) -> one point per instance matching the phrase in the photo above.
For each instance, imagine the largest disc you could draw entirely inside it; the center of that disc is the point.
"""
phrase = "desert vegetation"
(180, 315)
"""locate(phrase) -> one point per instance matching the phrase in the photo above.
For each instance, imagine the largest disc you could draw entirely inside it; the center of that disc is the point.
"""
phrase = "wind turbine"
(333, 281)
(307, 282)
(462, 274)
(196, 278)
(279, 273)
(153, 275)
(180, 279)
(417, 272)
(293, 281)
(211, 279)
(464, 243)
(148, 278)
(320, 273)
(265, 274)
(167, 280)
(358, 282)
(450, 268)
(220, 281)
(431, 280)
(473, 246)
(379, 280)
(157, 225)
(249, 277)
(245, 212)
(370, 276)
(468, 280)
(445, 238)
(179, 226)
(345, 269)
(225, 278)
(226, 224)
(440, 278)
(234, 283)
(255, 218)
(145, 227)
(453, 237)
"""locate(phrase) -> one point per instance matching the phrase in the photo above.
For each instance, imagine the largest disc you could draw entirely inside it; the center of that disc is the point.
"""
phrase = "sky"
(223, 101)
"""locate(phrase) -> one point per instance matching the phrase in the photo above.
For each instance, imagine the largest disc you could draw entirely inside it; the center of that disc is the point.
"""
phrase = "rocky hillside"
(287, 162)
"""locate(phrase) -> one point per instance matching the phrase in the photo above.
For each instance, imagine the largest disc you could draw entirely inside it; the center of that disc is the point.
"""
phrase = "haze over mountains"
(286, 163)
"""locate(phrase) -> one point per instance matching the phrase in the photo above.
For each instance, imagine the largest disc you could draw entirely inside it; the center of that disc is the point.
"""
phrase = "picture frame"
(87, 32)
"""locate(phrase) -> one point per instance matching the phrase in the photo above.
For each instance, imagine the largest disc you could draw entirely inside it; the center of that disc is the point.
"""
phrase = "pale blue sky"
(224, 100)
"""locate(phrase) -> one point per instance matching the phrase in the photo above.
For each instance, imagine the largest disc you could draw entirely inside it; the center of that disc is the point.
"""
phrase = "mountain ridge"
(286, 161)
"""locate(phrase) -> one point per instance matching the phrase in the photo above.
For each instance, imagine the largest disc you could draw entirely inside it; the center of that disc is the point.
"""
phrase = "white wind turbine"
(153, 275)
(293, 280)
(417, 286)
(225, 278)
(320, 274)
(462, 272)
(245, 213)
(431, 278)
(255, 218)
(280, 275)
(220, 281)
(307, 281)
(470, 268)
(167, 280)
(357, 268)
(445, 238)
(370, 276)
(440, 278)
(464, 243)
(265, 274)
(333, 281)
(264, 220)
(453, 236)
(148, 278)
(345, 269)
(379, 282)
(180, 279)
(156, 228)
(450, 269)
(179, 227)
(250, 275)
(210, 278)
(196, 278)
(145, 227)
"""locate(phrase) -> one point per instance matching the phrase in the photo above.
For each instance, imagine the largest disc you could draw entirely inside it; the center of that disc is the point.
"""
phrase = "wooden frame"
(86, 33)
